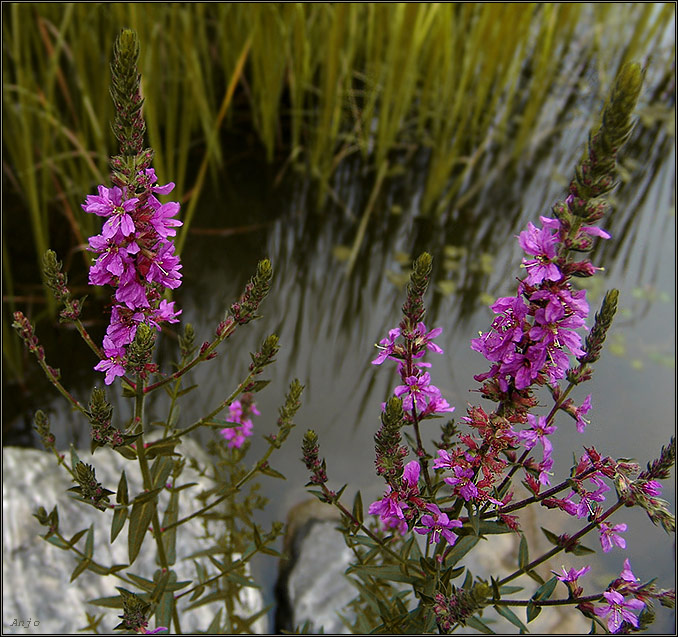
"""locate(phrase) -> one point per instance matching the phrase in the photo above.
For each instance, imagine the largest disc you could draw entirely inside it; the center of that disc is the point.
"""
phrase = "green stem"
(222, 405)
(232, 491)
(547, 602)
(60, 388)
(228, 330)
(80, 554)
(526, 453)
(148, 486)
(549, 554)
(331, 497)
(538, 498)
(88, 339)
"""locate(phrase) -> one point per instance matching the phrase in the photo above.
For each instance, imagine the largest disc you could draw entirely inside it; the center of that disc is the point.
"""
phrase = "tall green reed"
(316, 82)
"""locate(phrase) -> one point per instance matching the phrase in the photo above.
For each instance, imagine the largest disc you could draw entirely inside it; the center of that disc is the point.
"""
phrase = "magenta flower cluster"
(530, 342)
(618, 609)
(240, 412)
(535, 332)
(404, 505)
(136, 257)
(420, 397)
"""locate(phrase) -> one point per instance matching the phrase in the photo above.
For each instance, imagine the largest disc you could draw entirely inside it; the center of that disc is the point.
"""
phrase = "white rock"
(36, 574)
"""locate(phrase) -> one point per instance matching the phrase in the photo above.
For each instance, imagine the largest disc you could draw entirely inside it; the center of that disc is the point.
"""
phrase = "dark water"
(328, 321)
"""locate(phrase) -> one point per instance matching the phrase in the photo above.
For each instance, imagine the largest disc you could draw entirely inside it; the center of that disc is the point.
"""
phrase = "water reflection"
(328, 322)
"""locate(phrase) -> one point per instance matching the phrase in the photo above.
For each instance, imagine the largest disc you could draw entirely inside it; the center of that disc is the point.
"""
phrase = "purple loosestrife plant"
(137, 260)
(134, 255)
(535, 343)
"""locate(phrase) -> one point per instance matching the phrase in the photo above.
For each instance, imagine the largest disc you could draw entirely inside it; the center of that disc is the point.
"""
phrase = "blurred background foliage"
(441, 94)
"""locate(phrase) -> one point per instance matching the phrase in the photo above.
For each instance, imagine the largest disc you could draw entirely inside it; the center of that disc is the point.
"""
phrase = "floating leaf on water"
(341, 252)
(447, 287)
(398, 279)
(403, 258)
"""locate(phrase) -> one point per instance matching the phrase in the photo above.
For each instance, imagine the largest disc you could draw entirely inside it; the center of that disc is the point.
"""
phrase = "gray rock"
(312, 585)
(36, 574)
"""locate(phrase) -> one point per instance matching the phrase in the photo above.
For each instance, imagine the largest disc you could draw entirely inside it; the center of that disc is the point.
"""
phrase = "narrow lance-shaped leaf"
(358, 507)
(89, 542)
(122, 496)
(169, 538)
(523, 553)
(139, 519)
(119, 518)
(507, 613)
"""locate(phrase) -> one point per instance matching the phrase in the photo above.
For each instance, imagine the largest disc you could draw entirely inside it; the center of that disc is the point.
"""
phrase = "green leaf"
(240, 580)
(127, 390)
(57, 541)
(143, 583)
(258, 385)
(461, 548)
(161, 580)
(99, 570)
(147, 496)
(119, 518)
(160, 470)
(107, 602)
(266, 550)
(122, 497)
(197, 593)
(580, 549)
(89, 542)
(546, 590)
(551, 537)
(127, 452)
(139, 519)
(523, 553)
(473, 518)
(188, 485)
(535, 576)
(358, 507)
(212, 597)
(74, 540)
(82, 566)
(162, 448)
(169, 538)
(507, 613)
(388, 572)
(270, 471)
(492, 528)
(474, 622)
(215, 625)
(532, 612)
(185, 391)
(495, 588)
(74, 458)
(363, 539)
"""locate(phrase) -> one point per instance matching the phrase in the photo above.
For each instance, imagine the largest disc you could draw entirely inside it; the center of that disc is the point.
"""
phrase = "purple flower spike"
(542, 244)
(411, 473)
(417, 388)
(387, 345)
(619, 610)
(463, 482)
(538, 433)
(136, 260)
(610, 535)
(437, 524)
(572, 575)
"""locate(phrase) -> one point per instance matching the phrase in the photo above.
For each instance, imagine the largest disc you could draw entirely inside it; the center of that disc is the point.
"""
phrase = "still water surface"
(329, 321)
